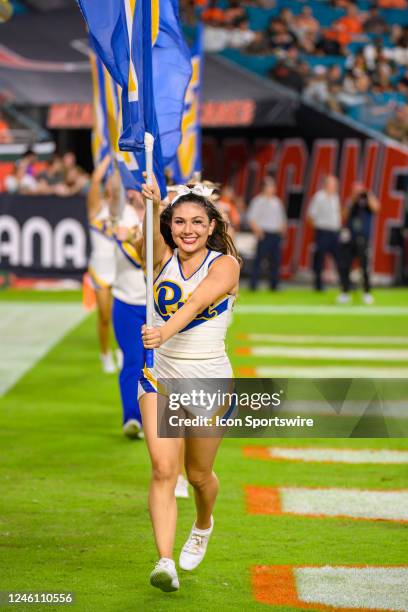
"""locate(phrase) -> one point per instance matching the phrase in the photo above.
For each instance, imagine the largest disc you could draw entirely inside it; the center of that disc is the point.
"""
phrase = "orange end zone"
(256, 452)
(262, 500)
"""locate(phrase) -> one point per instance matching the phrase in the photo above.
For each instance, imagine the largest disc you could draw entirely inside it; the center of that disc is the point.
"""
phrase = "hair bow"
(198, 190)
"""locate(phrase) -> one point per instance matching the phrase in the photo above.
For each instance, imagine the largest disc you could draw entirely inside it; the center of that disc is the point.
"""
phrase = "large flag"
(107, 125)
(123, 33)
(188, 159)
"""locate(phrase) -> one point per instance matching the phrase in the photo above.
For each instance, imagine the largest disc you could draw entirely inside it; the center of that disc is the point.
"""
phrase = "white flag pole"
(149, 142)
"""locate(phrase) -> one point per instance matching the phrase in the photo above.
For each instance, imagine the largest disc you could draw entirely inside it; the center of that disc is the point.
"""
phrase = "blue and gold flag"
(141, 44)
(188, 159)
(107, 124)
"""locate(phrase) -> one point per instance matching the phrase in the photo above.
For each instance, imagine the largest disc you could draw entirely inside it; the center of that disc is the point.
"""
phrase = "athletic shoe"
(343, 298)
(194, 549)
(368, 299)
(164, 576)
(108, 365)
(133, 429)
(181, 489)
(119, 358)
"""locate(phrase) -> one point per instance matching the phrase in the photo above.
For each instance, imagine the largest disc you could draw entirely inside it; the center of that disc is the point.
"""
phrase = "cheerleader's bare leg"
(164, 455)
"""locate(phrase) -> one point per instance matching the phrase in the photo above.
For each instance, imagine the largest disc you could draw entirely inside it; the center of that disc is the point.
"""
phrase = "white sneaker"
(343, 298)
(133, 429)
(194, 549)
(164, 576)
(119, 358)
(108, 365)
(181, 489)
(368, 299)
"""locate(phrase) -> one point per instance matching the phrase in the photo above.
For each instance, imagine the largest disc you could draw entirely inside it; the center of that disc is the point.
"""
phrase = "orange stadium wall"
(299, 165)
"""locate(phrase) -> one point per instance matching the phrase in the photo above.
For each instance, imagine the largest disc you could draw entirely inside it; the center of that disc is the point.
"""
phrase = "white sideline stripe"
(376, 588)
(353, 503)
(321, 310)
(290, 339)
(337, 455)
(28, 332)
(319, 371)
(341, 354)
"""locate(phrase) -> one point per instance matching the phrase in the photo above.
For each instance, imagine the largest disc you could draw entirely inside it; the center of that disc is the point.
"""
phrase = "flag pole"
(149, 142)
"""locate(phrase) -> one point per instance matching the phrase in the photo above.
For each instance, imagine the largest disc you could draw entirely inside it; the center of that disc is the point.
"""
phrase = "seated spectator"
(355, 91)
(318, 86)
(216, 38)
(52, 176)
(241, 36)
(397, 127)
(213, 14)
(289, 71)
(375, 22)
(347, 28)
(278, 36)
(76, 182)
(306, 29)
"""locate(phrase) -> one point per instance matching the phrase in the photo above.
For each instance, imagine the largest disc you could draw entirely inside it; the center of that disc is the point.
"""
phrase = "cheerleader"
(196, 270)
(129, 312)
(101, 266)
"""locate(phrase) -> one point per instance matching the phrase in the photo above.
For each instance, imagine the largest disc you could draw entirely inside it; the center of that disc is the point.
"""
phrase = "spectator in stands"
(375, 22)
(290, 71)
(325, 215)
(317, 89)
(76, 182)
(306, 29)
(347, 28)
(241, 36)
(397, 127)
(52, 176)
(69, 161)
(267, 220)
(355, 240)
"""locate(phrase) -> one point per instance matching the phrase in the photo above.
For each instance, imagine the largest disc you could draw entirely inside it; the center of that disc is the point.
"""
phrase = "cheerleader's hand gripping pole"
(149, 142)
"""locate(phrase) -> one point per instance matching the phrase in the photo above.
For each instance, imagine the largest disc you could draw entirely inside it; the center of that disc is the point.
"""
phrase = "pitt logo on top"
(169, 297)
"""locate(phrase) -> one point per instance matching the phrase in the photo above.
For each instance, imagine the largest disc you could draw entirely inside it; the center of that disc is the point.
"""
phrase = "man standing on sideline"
(355, 240)
(325, 215)
(267, 219)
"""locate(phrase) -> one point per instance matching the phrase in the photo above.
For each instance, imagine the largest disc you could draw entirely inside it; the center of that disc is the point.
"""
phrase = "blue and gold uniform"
(198, 350)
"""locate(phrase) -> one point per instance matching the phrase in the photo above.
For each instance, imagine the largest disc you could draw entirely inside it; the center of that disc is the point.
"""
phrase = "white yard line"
(28, 331)
(373, 588)
(353, 503)
(320, 371)
(338, 354)
(292, 339)
(306, 310)
(339, 455)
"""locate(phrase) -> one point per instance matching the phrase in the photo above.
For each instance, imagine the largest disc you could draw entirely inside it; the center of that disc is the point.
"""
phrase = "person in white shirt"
(267, 219)
(325, 215)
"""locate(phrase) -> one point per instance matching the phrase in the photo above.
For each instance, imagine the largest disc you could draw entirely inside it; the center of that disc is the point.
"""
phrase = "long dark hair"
(219, 240)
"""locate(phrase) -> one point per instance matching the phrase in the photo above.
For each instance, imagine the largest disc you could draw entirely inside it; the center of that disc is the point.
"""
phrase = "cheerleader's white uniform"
(101, 265)
(198, 350)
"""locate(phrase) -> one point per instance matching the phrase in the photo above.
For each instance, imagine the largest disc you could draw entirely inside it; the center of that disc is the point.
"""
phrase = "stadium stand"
(349, 57)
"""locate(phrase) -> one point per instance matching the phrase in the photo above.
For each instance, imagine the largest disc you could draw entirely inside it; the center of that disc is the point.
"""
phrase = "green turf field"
(73, 491)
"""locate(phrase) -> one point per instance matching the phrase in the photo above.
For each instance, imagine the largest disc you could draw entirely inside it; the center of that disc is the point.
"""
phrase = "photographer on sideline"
(355, 240)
